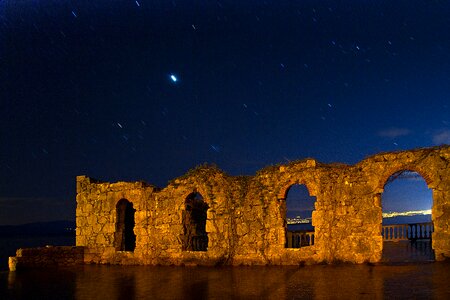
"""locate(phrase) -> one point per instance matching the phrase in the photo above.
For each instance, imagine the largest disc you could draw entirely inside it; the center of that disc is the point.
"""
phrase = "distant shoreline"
(53, 228)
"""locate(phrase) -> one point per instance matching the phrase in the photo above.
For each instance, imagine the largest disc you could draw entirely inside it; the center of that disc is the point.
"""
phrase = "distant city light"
(407, 213)
(173, 78)
(300, 220)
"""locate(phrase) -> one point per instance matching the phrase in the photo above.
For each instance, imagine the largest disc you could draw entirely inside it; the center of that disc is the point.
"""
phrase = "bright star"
(174, 78)
(215, 148)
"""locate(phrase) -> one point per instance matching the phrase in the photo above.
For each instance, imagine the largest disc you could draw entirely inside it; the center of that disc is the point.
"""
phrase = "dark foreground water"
(406, 273)
(345, 281)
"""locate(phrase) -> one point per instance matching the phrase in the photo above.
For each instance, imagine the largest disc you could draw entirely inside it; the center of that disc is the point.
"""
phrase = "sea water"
(342, 281)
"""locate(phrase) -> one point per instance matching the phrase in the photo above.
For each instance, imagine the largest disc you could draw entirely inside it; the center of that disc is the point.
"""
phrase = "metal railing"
(404, 232)
(299, 238)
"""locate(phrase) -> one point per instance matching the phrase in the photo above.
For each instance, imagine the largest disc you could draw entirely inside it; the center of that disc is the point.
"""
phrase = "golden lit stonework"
(207, 217)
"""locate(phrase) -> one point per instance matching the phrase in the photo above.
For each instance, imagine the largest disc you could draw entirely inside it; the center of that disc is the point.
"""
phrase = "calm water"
(419, 281)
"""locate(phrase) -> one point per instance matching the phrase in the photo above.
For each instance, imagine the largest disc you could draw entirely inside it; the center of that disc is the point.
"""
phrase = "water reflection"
(425, 280)
(406, 251)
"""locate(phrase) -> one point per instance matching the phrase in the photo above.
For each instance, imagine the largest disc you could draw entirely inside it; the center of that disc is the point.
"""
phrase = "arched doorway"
(299, 208)
(125, 239)
(195, 237)
(406, 225)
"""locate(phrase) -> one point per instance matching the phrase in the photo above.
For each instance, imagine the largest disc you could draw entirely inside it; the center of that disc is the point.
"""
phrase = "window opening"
(194, 223)
(125, 239)
(299, 208)
(406, 225)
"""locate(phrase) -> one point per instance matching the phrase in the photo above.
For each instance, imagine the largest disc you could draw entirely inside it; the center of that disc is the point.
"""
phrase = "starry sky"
(145, 90)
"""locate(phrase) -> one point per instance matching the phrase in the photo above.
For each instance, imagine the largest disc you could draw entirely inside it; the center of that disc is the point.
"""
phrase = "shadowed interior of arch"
(195, 237)
(125, 239)
(299, 208)
(406, 209)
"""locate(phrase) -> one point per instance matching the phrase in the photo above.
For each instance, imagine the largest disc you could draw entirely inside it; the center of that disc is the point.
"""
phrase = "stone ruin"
(207, 217)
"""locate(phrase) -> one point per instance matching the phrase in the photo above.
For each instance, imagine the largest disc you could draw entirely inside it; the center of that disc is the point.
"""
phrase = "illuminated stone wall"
(246, 214)
(48, 256)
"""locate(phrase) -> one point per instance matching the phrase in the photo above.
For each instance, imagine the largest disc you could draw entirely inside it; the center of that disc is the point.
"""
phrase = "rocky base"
(49, 256)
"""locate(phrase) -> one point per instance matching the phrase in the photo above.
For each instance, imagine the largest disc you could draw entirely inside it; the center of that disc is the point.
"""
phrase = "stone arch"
(412, 168)
(385, 179)
(194, 218)
(204, 180)
(406, 233)
(198, 189)
(381, 179)
(125, 239)
(301, 237)
(312, 188)
(391, 172)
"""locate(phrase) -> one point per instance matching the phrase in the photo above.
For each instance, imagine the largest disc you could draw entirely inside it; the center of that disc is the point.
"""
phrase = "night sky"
(146, 90)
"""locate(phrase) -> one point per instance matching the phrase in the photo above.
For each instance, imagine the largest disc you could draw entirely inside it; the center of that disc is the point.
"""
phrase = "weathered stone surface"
(245, 220)
(49, 256)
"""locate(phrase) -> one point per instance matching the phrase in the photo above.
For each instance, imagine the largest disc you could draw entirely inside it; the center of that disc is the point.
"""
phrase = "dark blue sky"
(86, 89)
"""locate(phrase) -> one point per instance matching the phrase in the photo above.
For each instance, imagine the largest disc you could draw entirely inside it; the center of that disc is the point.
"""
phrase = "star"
(173, 78)
(215, 148)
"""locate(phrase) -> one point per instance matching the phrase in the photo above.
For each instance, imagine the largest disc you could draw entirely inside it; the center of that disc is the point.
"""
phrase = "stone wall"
(49, 256)
(246, 214)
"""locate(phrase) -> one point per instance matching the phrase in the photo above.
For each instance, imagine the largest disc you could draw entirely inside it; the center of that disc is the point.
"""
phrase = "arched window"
(299, 208)
(195, 237)
(125, 239)
(406, 225)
